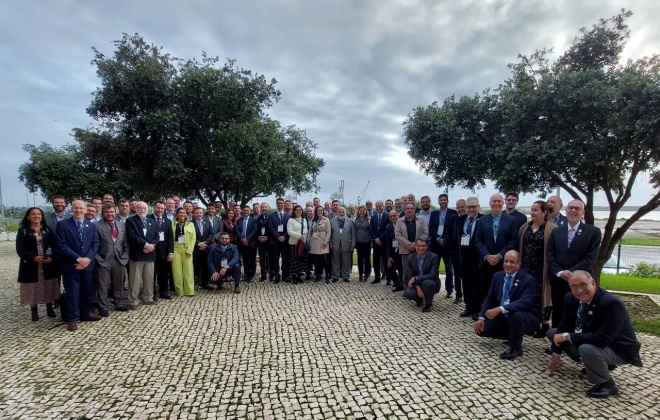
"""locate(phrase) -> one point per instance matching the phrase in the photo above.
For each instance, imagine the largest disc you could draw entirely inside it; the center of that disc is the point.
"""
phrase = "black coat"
(26, 248)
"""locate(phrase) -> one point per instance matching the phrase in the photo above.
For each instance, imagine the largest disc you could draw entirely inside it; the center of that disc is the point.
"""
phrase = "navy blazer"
(434, 223)
(262, 223)
(71, 246)
(137, 240)
(377, 230)
(216, 229)
(216, 255)
(507, 237)
(581, 255)
(251, 231)
(605, 324)
(205, 236)
(273, 222)
(429, 269)
(458, 230)
(165, 246)
(523, 293)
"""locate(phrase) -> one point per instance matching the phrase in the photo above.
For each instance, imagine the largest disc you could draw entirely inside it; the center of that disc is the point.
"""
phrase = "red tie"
(113, 230)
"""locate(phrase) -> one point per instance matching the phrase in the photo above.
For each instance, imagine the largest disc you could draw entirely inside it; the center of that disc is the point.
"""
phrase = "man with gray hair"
(465, 232)
(142, 240)
(597, 323)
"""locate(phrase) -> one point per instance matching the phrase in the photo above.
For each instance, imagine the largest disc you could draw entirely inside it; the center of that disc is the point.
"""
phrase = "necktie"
(244, 226)
(199, 225)
(379, 220)
(507, 287)
(469, 228)
(80, 229)
(580, 315)
(341, 223)
(113, 231)
(158, 223)
(571, 235)
(420, 264)
(496, 226)
(144, 223)
(280, 218)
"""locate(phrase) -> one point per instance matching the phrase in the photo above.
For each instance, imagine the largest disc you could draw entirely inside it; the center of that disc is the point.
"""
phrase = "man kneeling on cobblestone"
(597, 323)
(223, 262)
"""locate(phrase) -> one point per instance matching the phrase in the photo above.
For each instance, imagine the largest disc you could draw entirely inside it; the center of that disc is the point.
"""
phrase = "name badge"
(465, 240)
(341, 231)
(161, 236)
(315, 235)
(441, 229)
(223, 263)
(506, 301)
(181, 239)
(395, 244)
(578, 330)
(280, 228)
(144, 232)
(263, 231)
(304, 230)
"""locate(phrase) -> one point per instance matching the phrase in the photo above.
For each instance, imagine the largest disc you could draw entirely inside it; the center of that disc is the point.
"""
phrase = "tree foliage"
(194, 128)
(586, 123)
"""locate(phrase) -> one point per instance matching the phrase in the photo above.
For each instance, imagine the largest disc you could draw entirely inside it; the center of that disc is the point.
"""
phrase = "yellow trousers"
(182, 272)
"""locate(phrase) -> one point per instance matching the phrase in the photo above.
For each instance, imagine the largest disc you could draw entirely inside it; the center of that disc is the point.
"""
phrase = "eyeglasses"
(582, 286)
(574, 208)
(471, 207)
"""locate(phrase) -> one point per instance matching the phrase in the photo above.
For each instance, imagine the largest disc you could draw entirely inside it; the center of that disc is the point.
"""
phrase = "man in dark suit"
(224, 261)
(111, 261)
(78, 243)
(510, 204)
(278, 241)
(377, 228)
(452, 244)
(164, 250)
(142, 240)
(58, 214)
(420, 275)
(572, 246)
(215, 223)
(203, 240)
(246, 238)
(497, 234)
(394, 264)
(262, 243)
(597, 323)
(437, 224)
(465, 232)
(509, 312)
(554, 206)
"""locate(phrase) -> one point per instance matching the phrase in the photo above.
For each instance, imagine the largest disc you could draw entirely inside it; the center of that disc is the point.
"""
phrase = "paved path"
(290, 351)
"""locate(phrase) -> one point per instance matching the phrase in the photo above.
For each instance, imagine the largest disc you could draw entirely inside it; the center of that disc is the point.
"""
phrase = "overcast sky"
(349, 71)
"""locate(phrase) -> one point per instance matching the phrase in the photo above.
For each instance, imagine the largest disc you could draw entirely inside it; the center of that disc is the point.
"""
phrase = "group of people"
(516, 277)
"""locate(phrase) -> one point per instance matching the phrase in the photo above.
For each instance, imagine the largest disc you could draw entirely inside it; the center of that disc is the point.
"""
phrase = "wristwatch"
(567, 336)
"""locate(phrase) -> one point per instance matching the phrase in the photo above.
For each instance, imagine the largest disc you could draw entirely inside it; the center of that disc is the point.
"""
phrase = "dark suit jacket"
(429, 270)
(458, 230)
(520, 218)
(71, 247)
(605, 324)
(51, 221)
(205, 235)
(583, 253)
(109, 249)
(251, 231)
(137, 240)
(377, 230)
(434, 223)
(216, 229)
(507, 237)
(452, 242)
(166, 246)
(523, 293)
(216, 256)
(273, 222)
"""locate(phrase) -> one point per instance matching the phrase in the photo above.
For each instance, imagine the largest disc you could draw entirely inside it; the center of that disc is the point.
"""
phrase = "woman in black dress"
(38, 270)
(533, 237)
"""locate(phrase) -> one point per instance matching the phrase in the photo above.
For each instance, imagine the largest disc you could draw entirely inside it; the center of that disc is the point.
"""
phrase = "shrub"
(646, 270)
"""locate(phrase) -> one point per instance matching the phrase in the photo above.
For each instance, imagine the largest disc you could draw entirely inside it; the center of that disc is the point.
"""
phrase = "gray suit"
(342, 244)
(52, 219)
(110, 264)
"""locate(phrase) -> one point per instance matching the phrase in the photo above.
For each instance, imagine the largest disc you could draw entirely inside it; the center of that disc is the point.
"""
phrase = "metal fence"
(626, 257)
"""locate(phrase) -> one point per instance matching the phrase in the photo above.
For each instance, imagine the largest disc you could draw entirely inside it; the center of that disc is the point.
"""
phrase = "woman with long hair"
(183, 276)
(38, 270)
(363, 243)
(533, 238)
(297, 227)
(319, 242)
(228, 224)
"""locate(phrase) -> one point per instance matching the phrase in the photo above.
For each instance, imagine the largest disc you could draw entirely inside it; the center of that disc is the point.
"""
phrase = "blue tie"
(420, 264)
(80, 229)
(469, 228)
(144, 223)
(341, 223)
(496, 226)
(580, 315)
(244, 227)
(507, 287)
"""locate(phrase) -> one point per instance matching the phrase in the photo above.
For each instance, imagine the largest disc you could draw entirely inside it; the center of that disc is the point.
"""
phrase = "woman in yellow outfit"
(182, 263)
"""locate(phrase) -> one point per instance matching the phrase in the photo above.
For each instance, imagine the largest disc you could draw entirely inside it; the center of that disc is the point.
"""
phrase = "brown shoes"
(151, 302)
(134, 307)
(92, 317)
(72, 326)
(237, 289)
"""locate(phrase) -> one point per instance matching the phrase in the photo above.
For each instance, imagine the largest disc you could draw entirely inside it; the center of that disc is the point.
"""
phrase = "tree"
(193, 128)
(585, 123)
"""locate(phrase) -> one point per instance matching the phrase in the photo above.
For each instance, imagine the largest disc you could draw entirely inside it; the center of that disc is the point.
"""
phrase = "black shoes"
(49, 310)
(166, 297)
(609, 367)
(448, 295)
(335, 280)
(475, 316)
(540, 333)
(603, 390)
(420, 301)
(510, 354)
(121, 308)
(397, 289)
(376, 281)
(427, 308)
(465, 314)
(327, 280)
(346, 280)
(458, 299)
(35, 315)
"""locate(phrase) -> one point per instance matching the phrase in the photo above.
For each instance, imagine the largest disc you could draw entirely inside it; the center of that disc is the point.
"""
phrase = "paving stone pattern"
(345, 350)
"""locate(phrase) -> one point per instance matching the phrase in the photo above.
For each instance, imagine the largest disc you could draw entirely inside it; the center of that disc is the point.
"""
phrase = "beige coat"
(401, 233)
(322, 227)
(546, 290)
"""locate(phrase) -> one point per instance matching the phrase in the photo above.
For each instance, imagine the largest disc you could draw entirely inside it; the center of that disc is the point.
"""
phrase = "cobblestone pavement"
(345, 350)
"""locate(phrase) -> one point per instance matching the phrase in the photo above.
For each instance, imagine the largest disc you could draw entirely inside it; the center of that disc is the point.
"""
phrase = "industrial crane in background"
(362, 194)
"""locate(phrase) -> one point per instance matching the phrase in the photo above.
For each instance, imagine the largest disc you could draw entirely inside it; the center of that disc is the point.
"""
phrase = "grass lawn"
(644, 313)
(641, 241)
(627, 283)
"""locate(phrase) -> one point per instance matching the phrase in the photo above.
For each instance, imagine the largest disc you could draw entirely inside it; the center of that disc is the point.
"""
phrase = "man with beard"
(111, 261)
(246, 237)
(58, 214)
(425, 212)
(554, 206)
(278, 241)
(511, 202)
(437, 223)
(408, 230)
(262, 243)
(389, 205)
